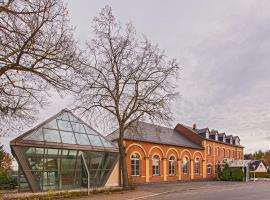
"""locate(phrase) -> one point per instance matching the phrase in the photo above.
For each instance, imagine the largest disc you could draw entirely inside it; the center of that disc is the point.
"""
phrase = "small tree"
(37, 53)
(5, 167)
(124, 79)
(225, 173)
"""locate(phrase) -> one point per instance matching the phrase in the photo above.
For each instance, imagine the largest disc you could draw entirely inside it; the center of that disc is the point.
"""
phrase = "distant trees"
(259, 155)
(37, 54)
(124, 79)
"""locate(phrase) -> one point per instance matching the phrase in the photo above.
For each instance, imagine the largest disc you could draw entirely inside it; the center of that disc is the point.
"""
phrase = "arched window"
(229, 153)
(208, 150)
(217, 151)
(209, 169)
(172, 166)
(224, 153)
(156, 165)
(232, 153)
(185, 165)
(135, 165)
(197, 166)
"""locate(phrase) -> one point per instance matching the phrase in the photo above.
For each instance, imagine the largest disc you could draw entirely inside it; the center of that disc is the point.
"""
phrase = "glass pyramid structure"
(66, 128)
(57, 153)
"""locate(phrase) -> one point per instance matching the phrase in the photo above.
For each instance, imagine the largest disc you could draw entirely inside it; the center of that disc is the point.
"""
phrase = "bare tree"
(124, 78)
(37, 53)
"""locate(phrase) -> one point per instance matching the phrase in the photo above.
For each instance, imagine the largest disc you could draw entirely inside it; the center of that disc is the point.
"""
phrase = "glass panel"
(64, 116)
(51, 125)
(50, 173)
(106, 143)
(77, 127)
(89, 130)
(68, 137)
(37, 136)
(82, 139)
(72, 118)
(64, 125)
(51, 135)
(95, 140)
(68, 168)
(53, 151)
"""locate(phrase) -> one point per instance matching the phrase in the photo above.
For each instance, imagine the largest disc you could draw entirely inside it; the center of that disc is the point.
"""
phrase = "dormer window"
(216, 137)
(207, 135)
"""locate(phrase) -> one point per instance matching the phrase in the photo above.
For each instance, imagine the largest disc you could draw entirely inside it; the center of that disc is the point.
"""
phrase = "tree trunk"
(123, 164)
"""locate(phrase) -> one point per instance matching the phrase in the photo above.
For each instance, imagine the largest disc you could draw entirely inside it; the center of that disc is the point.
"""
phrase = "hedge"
(259, 175)
(231, 174)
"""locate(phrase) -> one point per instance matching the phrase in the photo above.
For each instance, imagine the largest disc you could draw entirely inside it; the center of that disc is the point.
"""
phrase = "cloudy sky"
(223, 48)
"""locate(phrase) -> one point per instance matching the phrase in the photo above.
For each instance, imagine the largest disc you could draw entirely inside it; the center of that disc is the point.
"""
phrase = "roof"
(146, 132)
(203, 130)
(255, 163)
(64, 130)
(238, 163)
(209, 139)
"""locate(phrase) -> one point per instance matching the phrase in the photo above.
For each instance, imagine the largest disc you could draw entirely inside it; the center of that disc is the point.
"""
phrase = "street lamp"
(254, 172)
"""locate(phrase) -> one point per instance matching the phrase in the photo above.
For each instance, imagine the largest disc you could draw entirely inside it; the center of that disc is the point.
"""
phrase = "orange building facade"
(179, 154)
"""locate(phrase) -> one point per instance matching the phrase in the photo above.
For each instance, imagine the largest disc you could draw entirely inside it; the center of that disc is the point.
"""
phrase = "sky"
(223, 49)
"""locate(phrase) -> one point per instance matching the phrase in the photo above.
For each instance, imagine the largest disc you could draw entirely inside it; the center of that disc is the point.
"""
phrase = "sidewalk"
(147, 191)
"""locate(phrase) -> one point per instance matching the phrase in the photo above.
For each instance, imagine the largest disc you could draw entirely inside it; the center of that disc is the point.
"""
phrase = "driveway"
(192, 191)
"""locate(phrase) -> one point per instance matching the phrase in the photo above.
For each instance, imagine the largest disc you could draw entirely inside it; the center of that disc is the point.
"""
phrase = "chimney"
(194, 127)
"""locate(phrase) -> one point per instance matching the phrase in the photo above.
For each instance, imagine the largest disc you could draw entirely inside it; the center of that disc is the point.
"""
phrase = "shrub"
(6, 182)
(259, 175)
(225, 174)
(237, 174)
(231, 174)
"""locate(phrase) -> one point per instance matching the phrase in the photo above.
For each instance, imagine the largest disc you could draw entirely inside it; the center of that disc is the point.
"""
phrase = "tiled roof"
(201, 135)
(256, 163)
(152, 133)
(202, 130)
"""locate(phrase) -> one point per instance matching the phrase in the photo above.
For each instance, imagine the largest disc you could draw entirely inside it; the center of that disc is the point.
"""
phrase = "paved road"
(204, 190)
(241, 191)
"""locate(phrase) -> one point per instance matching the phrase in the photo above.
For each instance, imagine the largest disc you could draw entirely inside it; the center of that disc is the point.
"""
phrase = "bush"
(231, 174)
(237, 174)
(225, 174)
(259, 175)
(6, 182)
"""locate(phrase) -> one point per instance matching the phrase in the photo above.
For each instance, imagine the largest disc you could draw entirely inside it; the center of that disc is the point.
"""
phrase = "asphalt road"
(248, 191)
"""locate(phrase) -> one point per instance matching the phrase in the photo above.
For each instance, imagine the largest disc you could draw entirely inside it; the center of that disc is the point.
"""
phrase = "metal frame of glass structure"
(54, 155)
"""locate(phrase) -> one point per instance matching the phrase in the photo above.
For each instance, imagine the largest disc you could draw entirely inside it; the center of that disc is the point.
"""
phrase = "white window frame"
(135, 164)
(185, 166)
(209, 169)
(155, 166)
(197, 166)
(172, 166)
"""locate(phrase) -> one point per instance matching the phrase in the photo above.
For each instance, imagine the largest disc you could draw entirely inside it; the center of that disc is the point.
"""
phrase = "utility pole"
(254, 173)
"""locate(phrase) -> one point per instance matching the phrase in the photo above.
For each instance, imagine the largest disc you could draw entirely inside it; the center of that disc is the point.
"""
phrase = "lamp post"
(254, 173)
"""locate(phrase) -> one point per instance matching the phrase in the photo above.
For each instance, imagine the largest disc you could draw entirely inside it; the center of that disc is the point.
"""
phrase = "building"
(155, 153)
(63, 152)
(257, 166)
